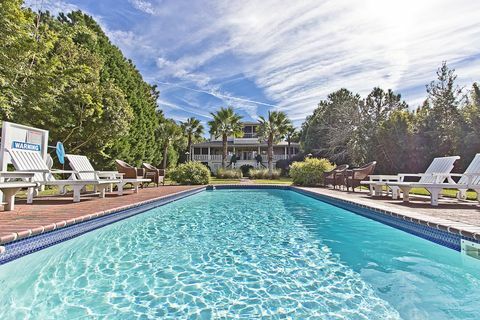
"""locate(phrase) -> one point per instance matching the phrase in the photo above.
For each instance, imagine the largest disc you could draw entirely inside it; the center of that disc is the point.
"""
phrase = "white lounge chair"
(11, 186)
(441, 165)
(85, 171)
(470, 179)
(31, 161)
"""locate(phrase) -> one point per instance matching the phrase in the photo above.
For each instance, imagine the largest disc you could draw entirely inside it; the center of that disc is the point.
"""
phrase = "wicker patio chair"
(335, 177)
(156, 175)
(129, 172)
(355, 176)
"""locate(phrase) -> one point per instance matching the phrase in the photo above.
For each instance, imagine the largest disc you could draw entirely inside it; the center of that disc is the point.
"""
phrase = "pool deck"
(50, 213)
(459, 217)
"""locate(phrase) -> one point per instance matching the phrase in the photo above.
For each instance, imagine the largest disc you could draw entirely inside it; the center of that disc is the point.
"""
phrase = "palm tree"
(193, 129)
(291, 136)
(226, 123)
(168, 132)
(273, 130)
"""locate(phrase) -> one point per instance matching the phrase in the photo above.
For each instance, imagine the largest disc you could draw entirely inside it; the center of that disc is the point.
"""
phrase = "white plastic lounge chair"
(85, 171)
(470, 179)
(10, 187)
(441, 165)
(31, 161)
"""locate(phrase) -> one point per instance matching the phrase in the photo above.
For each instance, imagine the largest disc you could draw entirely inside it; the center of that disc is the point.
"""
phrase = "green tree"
(292, 135)
(193, 129)
(377, 108)
(470, 142)
(168, 133)
(226, 123)
(273, 129)
(440, 119)
(331, 131)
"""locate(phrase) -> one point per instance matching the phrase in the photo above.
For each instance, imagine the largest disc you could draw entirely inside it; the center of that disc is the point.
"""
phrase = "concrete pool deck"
(54, 212)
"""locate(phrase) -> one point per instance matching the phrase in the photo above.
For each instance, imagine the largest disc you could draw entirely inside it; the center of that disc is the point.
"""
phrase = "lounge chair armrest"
(384, 177)
(63, 171)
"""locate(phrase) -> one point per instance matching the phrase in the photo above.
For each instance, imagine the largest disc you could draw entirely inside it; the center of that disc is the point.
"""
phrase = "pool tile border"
(39, 238)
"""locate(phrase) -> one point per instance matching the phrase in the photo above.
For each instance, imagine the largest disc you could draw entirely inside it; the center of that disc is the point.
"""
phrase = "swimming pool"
(252, 253)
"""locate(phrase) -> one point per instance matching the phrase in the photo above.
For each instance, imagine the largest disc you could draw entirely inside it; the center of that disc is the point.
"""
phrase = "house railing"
(218, 157)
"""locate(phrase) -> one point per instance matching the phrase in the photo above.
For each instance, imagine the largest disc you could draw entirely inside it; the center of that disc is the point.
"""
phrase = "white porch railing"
(218, 157)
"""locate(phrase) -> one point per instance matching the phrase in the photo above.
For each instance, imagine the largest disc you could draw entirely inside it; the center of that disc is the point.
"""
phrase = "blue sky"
(286, 55)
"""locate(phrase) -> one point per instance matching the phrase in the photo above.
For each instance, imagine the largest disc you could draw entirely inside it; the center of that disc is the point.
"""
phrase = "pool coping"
(31, 240)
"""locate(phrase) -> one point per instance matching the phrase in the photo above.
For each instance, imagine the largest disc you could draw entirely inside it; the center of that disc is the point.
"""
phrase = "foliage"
(264, 174)
(229, 173)
(348, 129)
(193, 130)
(310, 171)
(273, 129)
(190, 173)
(63, 74)
(169, 134)
(226, 123)
(246, 170)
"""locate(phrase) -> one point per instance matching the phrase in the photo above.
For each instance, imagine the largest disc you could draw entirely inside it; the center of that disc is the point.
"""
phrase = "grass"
(285, 181)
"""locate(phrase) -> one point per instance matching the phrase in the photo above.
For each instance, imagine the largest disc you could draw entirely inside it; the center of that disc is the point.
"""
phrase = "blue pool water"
(243, 254)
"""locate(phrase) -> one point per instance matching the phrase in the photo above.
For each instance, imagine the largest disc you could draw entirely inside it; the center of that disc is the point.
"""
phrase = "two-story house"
(246, 149)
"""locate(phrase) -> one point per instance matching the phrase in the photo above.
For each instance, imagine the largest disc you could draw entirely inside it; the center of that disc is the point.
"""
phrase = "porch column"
(208, 158)
(286, 152)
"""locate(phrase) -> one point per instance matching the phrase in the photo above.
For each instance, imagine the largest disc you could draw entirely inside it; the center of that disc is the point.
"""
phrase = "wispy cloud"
(292, 54)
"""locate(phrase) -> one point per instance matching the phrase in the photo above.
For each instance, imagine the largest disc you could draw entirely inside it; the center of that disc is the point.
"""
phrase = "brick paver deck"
(48, 213)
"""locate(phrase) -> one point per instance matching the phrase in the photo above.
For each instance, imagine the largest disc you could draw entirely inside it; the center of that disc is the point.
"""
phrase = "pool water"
(243, 254)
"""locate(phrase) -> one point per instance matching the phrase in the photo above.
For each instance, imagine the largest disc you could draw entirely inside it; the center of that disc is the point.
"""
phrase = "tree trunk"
(224, 155)
(189, 147)
(165, 154)
(270, 155)
(288, 150)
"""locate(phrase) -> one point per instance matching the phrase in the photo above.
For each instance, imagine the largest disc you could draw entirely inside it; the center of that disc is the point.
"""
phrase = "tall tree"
(168, 133)
(440, 117)
(226, 123)
(331, 131)
(273, 129)
(193, 129)
(292, 135)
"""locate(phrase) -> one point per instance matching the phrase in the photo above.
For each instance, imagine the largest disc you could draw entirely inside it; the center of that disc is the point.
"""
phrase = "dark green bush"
(246, 170)
(190, 173)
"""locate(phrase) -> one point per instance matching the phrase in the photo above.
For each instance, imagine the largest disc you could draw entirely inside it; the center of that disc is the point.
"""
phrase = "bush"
(246, 170)
(310, 171)
(264, 174)
(190, 173)
(229, 173)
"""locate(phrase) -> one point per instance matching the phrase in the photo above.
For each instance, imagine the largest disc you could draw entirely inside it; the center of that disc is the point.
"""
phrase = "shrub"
(190, 173)
(246, 170)
(264, 174)
(310, 171)
(229, 173)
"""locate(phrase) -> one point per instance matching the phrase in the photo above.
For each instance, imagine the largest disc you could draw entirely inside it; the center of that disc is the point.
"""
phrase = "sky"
(266, 55)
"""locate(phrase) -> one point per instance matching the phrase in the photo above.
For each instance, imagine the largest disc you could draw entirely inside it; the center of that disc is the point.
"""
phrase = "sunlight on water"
(246, 254)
